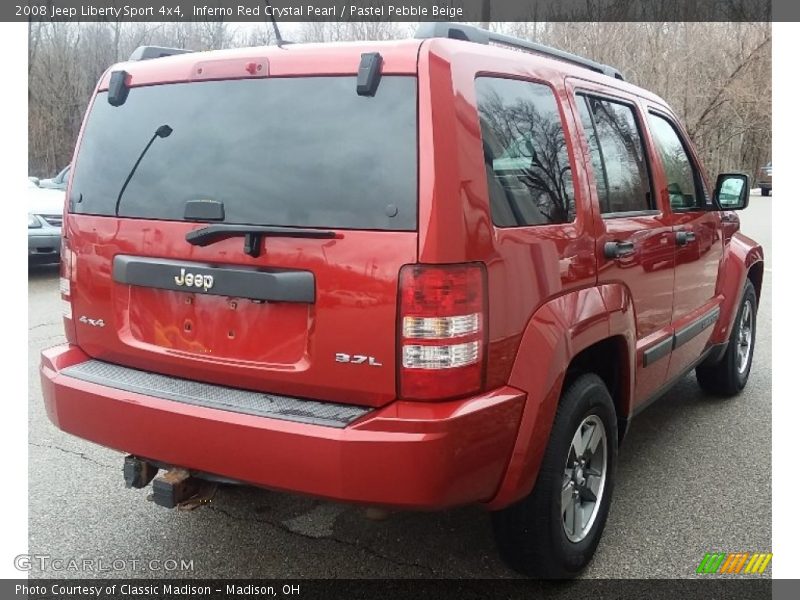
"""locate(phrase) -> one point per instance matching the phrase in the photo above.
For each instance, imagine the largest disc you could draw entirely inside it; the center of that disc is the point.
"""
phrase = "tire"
(532, 535)
(766, 191)
(728, 377)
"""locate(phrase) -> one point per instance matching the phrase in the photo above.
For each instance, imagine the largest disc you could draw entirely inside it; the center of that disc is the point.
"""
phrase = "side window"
(525, 153)
(682, 178)
(617, 155)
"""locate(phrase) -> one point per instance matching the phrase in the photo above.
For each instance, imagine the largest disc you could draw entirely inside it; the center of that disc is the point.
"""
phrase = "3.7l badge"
(357, 359)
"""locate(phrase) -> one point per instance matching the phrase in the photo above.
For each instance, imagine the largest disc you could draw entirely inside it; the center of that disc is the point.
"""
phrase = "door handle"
(685, 237)
(618, 249)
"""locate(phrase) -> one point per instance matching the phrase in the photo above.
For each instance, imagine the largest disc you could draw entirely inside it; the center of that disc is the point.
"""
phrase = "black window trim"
(654, 209)
(570, 147)
(699, 182)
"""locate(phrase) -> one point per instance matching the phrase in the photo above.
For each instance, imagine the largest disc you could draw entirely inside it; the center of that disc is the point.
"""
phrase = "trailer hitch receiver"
(137, 472)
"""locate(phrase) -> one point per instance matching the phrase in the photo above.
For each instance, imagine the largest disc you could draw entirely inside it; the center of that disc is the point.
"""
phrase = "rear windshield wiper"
(162, 132)
(252, 235)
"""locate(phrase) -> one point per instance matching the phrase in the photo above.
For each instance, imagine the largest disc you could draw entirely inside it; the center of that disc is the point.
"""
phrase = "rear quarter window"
(525, 153)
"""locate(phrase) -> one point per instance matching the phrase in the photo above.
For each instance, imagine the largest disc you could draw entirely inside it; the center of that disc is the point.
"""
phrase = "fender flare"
(742, 256)
(558, 331)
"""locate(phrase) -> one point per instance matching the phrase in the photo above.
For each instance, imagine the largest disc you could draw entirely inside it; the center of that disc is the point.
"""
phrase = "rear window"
(304, 152)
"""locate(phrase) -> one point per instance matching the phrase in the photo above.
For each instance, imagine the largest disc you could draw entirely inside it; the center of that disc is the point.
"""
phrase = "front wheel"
(554, 531)
(729, 376)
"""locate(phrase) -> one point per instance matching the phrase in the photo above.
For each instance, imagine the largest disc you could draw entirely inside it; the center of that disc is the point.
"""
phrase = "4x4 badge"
(93, 322)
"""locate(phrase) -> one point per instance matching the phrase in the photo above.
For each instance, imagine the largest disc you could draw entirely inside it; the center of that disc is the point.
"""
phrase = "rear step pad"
(326, 414)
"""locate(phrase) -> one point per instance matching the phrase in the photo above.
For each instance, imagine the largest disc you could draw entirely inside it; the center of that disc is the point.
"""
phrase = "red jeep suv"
(413, 274)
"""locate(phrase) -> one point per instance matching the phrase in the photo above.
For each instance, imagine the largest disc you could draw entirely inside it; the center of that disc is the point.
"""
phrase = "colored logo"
(734, 563)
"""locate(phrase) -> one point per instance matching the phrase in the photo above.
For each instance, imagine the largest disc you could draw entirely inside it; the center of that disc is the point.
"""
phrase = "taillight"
(442, 330)
(65, 281)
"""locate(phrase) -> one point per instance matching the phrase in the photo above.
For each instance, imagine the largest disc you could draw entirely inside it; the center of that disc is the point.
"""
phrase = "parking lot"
(694, 476)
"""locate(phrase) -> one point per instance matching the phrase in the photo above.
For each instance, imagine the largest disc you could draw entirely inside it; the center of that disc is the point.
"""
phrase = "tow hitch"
(137, 472)
(174, 488)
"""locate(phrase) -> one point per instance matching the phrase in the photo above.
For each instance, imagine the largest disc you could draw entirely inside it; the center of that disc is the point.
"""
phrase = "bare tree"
(342, 31)
(716, 76)
(65, 61)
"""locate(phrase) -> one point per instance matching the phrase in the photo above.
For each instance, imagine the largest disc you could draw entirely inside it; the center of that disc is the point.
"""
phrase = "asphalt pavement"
(694, 476)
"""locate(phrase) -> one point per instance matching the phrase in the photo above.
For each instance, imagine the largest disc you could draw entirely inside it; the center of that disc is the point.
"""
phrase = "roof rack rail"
(148, 52)
(468, 33)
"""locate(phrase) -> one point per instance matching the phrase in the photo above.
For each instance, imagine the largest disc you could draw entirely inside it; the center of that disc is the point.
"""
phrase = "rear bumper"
(407, 454)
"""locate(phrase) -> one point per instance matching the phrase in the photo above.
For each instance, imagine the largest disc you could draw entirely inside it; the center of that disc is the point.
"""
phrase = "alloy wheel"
(744, 338)
(584, 478)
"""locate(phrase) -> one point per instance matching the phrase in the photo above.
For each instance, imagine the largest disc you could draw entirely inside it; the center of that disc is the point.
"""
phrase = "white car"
(58, 182)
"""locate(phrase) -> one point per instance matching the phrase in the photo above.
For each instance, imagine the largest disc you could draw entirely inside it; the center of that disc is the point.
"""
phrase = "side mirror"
(732, 191)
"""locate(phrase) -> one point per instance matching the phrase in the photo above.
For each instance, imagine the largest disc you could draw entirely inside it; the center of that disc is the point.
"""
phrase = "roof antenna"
(278, 39)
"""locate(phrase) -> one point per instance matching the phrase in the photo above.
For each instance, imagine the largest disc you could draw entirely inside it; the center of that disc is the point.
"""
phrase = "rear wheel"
(554, 531)
(729, 376)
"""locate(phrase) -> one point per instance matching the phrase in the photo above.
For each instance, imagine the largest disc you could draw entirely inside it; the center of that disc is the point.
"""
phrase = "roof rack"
(148, 52)
(468, 33)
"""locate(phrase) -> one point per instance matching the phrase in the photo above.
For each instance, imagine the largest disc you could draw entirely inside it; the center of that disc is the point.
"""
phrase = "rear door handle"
(618, 249)
(685, 237)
